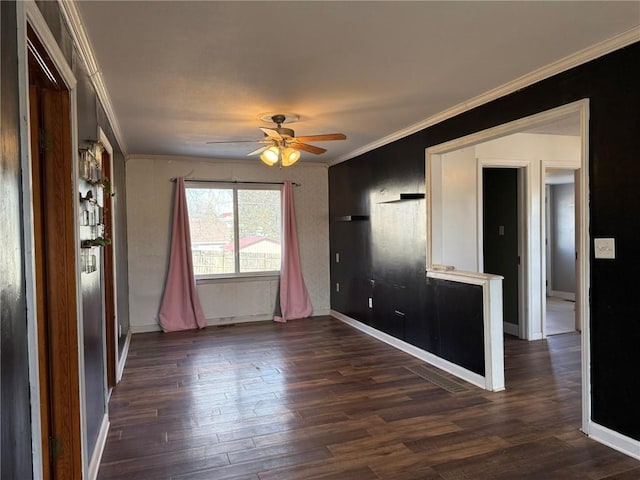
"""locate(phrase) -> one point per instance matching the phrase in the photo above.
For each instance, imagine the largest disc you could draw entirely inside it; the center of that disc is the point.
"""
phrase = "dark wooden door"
(111, 330)
(55, 266)
(500, 234)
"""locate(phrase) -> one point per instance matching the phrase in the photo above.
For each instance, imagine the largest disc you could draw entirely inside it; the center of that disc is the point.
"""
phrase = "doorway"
(501, 238)
(560, 250)
(111, 329)
(516, 145)
(54, 247)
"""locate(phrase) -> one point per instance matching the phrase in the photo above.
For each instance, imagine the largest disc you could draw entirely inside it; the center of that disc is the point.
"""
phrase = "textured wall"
(149, 207)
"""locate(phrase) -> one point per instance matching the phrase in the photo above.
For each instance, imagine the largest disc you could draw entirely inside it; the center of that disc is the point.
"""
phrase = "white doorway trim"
(544, 224)
(527, 310)
(580, 108)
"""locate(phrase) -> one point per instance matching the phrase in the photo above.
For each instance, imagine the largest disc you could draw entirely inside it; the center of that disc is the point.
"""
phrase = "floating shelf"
(405, 197)
(351, 218)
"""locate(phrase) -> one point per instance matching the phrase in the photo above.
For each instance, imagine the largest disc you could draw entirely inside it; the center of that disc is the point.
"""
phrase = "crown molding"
(217, 160)
(559, 66)
(85, 50)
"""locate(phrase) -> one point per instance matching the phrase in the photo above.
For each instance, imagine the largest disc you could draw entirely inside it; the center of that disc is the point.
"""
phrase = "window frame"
(235, 187)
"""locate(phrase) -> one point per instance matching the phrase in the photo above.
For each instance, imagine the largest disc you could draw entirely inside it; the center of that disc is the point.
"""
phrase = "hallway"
(561, 316)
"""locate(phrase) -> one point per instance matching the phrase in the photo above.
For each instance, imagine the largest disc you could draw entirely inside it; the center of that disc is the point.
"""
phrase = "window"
(236, 230)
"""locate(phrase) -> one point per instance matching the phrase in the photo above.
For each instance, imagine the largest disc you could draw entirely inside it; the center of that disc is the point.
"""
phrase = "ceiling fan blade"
(236, 141)
(322, 138)
(308, 148)
(270, 132)
(257, 151)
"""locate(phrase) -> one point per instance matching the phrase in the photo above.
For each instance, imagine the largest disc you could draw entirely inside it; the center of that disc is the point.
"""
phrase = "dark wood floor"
(317, 399)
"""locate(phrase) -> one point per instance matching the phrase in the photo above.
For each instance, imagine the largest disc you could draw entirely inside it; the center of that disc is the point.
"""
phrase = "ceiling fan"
(282, 145)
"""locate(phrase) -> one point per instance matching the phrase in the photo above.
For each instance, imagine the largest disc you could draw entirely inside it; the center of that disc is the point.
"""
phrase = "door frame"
(536, 237)
(110, 277)
(544, 224)
(523, 169)
(547, 245)
(28, 14)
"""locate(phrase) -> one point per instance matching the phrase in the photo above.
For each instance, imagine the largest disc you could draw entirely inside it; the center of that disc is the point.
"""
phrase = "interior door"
(55, 266)
(500, 235)
(111, 331)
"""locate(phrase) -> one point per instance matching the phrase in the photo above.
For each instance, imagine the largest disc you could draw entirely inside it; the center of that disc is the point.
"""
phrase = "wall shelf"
(351, 218)
(405, 197)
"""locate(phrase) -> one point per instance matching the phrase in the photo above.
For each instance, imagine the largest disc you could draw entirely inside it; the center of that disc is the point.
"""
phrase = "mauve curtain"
(293, 299)
(180, 308)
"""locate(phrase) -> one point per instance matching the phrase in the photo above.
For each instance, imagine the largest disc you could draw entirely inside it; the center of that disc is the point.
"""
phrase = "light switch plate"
(604, 247)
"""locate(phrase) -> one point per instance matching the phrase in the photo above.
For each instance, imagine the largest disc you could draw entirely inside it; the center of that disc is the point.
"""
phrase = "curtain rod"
(233, 181)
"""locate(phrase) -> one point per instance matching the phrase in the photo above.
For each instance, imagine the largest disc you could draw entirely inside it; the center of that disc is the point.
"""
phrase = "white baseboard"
(96, 456)
(151, 327)
(123, 357)
(430, 358)
(221, 321)
(211, 322)
(615, 440)
(511, 329)
(564, 295)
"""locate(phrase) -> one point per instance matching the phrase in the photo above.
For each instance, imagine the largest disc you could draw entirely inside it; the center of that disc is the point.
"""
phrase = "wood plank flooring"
(317, 399)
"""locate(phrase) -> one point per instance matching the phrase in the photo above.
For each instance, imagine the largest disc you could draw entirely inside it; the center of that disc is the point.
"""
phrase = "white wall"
(550, 149)
(149, 207)
(455, 218)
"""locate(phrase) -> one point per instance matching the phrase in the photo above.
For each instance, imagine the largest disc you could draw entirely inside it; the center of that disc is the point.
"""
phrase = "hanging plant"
(105, 183)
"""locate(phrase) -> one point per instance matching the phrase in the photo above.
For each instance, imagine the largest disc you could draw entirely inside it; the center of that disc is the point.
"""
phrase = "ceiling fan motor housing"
(284, 132)
(279, 119)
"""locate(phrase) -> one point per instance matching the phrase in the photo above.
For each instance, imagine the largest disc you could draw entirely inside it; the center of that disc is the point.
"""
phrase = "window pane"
(211, 225)
(260, 227)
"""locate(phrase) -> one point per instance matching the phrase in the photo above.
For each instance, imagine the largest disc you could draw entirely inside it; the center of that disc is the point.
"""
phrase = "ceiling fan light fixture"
(270, 156)
(280, 144)
(289, 156)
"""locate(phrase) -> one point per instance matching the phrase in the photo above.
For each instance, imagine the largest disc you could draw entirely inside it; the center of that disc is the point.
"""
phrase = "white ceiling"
(182, 73)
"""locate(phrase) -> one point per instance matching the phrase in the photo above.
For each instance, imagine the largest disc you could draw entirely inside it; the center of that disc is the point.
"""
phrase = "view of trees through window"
(234, 230)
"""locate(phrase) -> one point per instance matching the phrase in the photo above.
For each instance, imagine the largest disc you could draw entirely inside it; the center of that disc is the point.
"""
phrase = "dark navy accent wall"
(611, 84)
(15, 414)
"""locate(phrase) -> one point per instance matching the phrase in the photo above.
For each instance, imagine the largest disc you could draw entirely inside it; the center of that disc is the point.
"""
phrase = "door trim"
(29, 14)
(545, 210)
(525, 227)
(110, 325)
(580, 107)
